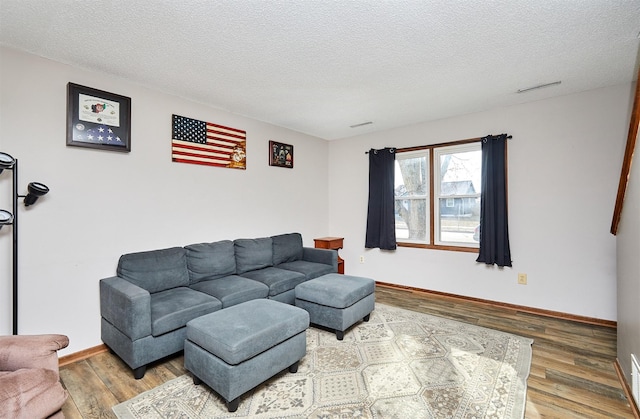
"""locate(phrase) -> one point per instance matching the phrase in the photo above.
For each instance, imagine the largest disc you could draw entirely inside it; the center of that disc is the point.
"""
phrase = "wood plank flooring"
(572, 369)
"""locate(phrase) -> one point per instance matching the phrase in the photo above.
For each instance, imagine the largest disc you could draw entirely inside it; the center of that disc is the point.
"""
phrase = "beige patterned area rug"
(401, 364)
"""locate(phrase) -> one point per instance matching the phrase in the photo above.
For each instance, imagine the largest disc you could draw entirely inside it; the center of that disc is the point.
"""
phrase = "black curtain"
(494, 226)
(381, 228)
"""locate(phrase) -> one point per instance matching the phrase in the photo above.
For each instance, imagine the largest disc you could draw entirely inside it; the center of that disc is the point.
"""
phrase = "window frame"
(431, 196)
(428, 192)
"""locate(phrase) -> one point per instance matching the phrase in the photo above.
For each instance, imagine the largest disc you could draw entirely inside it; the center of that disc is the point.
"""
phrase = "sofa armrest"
(31, 351)
(126, 306)
(326, 256)
(31, 393)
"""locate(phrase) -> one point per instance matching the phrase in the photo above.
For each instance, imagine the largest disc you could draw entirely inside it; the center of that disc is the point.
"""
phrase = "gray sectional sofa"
(146, 307)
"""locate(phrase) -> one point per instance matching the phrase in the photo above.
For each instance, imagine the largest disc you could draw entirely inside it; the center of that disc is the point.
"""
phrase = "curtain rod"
(468, 140)
(391, 150)
(507, 136)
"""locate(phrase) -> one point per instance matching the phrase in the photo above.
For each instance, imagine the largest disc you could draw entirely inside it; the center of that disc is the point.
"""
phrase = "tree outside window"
(452, 192)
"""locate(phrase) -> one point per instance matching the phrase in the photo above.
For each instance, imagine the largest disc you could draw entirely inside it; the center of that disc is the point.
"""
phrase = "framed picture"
(200, 142)
(280, 154)
(98, 119)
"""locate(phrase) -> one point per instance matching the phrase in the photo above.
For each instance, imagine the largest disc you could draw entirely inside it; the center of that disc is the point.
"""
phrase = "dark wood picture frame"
(98, 119)
(280, 154)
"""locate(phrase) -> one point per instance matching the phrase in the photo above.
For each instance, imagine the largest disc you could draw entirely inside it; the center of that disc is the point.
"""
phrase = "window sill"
(439, 247)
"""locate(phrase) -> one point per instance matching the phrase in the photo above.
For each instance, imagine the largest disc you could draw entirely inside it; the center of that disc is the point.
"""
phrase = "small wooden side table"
(333, 243)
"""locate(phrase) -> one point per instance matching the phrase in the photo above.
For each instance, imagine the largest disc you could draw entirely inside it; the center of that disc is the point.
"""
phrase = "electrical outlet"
(522, 279)
(361, 259)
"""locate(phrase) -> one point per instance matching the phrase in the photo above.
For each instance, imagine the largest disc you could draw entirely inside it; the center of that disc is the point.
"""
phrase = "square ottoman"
(337, 301)
(237, 348)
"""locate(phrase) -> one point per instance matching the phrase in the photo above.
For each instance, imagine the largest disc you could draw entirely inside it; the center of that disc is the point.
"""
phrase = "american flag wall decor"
(199, 142)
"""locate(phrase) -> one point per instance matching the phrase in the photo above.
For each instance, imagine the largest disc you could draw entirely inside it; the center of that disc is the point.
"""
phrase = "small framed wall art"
(98, 119)
(280, 154)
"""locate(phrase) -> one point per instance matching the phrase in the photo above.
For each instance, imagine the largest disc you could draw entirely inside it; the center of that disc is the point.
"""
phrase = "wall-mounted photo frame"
(98, 119)
(280, 154)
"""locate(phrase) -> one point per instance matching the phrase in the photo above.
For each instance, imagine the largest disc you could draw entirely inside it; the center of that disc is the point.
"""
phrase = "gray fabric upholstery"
(210, 260)
(336, 301)
(252, 254)
(335, 290)
(338, 318)
(287, 248)
(243, 331)
(287, 297)
(145, 308)
(278, 280)
(172, 309)
(309, 269)
(155, 270)
(232, 381)
(140, 352)
(325, 256)
(233, 289)
(126, 306)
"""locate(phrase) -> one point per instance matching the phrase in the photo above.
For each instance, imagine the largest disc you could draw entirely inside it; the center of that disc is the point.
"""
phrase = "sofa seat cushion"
(233, 289)
(210, 260)
(155, 270)
(310, 270)
(243, 331)
(30, 393)
(278, 280)
(287, 248)
(252, 254)
(172, 309)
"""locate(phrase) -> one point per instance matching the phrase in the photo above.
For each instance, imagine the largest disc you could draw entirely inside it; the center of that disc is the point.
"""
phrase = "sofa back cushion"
(155, 270)
(252, 254)
(210, 260)
(287, 248)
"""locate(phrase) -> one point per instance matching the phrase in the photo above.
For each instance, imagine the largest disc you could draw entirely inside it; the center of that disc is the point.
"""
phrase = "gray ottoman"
(237, 348)
(337, 301)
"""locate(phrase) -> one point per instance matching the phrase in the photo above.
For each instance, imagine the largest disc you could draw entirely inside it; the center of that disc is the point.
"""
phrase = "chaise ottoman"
(337, 301)
(236, 349)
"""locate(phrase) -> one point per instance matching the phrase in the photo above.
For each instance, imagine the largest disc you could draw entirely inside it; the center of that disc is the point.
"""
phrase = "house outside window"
(437, 196)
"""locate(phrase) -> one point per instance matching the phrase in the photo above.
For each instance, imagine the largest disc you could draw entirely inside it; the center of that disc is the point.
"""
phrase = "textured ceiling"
(319, 67)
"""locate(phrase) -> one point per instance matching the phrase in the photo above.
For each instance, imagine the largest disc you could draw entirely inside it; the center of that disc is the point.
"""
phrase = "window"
(437, 196)
(412, 196)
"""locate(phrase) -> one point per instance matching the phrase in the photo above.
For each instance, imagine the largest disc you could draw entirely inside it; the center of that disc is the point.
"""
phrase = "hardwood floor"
(572, 369)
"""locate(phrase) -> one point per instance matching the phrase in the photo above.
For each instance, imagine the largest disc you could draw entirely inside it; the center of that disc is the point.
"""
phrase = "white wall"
(628, 240)
(564, 163)
(103, 204)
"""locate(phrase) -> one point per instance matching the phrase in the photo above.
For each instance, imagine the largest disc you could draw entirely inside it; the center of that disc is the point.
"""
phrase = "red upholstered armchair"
(29, 376)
